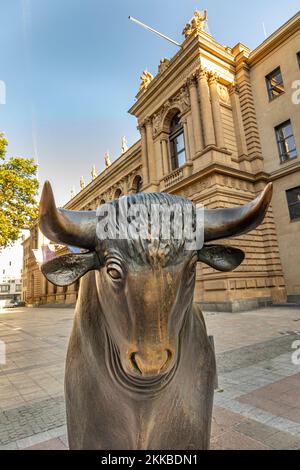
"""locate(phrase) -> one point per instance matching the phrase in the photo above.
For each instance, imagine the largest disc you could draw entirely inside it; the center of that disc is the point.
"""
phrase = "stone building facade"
(204, 136)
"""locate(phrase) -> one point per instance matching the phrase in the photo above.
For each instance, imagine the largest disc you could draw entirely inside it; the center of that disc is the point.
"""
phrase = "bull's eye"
(114, 271)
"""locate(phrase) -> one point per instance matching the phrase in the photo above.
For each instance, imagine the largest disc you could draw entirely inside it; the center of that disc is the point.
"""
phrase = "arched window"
(118, 193)
(177, 145)
(137, 184)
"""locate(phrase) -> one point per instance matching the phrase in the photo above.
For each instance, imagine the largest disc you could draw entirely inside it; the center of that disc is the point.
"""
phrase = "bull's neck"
(143, 387)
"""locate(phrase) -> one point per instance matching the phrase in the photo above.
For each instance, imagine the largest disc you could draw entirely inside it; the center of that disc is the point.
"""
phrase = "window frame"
(174, 154)
(281, 141)
(270, 87)
(291, 205)
(4, 288)
(298, 58)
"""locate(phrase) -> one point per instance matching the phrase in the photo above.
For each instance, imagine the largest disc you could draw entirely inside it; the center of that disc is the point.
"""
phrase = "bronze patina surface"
(140, 368)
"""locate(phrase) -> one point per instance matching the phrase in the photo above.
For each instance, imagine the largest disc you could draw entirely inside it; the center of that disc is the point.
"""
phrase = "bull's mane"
(158, 250)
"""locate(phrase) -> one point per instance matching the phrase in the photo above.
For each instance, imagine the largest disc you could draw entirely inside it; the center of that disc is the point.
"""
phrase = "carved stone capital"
(191, 80)
(148, 122)
(157, 122)
(233, 88)
(203, 74)
(213, 78)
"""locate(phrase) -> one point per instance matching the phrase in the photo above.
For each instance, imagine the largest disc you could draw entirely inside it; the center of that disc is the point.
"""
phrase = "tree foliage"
(18, 192)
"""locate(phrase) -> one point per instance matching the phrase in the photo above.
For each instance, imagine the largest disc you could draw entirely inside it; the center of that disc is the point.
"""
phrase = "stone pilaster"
(216, 110)
(186, 139)
(150, 151)
(165, 156)
(238, 120)
(142, 130)
(195, 110)
(206, 109)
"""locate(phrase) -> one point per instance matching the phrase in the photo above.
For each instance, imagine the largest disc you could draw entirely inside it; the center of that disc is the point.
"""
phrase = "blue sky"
(72, 69)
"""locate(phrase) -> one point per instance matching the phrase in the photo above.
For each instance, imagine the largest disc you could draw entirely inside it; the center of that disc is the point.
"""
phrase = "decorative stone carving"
(213, 77)
(191, 80)
(107, 159)
(223, 93)
(146, 79)
(163, 65)
(196, 25)
(180, 100)
(82, 183)
(94, 173)
(203, 73)
(233, 88)
(157, 122)
(183, 99)
(124, 145)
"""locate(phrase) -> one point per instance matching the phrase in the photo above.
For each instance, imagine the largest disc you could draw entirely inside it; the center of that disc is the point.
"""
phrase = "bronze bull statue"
(140, 368)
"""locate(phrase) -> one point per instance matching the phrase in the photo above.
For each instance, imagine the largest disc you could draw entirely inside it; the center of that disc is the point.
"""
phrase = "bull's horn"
(235, 221)
(74, 228)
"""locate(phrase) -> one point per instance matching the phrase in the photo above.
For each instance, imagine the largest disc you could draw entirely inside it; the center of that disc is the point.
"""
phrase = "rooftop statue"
(82, 183)
(124, 145)
(94, 173)
(146, 79)
(107, 159)
(197, 24)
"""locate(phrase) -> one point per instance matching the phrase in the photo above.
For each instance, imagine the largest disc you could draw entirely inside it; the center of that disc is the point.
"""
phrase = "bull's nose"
(151, 363)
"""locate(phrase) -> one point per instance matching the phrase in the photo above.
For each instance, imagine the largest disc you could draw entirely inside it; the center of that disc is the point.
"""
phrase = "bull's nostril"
(169, 358)
(134, 363)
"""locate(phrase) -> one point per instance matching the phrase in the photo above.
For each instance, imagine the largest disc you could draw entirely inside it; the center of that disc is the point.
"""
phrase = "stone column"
(71, 294)
(189, 120)
(238, 120)
(195, 110)
(186, 139)
(206, 110)
(60, 295)
(150, 151)
(51, 294)
(165, 156)
(142, 130)
(216, 110)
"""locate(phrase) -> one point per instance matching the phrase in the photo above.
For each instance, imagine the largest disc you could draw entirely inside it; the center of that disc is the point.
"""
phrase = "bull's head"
(144, 288)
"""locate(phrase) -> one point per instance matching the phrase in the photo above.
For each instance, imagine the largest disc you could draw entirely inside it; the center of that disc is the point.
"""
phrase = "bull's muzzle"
(152, 362)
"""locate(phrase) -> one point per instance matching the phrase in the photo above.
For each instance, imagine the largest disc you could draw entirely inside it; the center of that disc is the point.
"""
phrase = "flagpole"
(154, 31)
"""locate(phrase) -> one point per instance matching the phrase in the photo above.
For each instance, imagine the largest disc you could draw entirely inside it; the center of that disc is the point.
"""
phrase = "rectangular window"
(293, 199)
(4, 288)
(178, 156)
(286, 141)
(298, 58)
(275, 84)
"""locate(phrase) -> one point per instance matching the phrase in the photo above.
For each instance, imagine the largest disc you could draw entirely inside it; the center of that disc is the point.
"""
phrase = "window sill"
(276, 97)
(289, 160)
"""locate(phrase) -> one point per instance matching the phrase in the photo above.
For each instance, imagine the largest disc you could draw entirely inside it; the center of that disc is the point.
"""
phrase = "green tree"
(18, 192)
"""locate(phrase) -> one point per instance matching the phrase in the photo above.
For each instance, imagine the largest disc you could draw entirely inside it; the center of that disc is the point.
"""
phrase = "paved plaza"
(257, 404)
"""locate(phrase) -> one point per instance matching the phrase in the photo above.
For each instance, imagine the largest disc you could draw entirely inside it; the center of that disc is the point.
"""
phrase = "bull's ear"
(66, 269)
(222, 258)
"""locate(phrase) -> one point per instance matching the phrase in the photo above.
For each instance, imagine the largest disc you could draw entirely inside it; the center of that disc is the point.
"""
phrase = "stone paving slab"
(256, 406)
